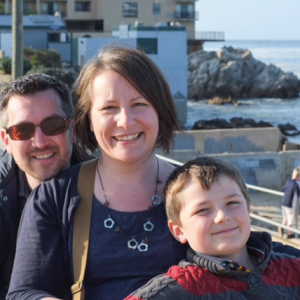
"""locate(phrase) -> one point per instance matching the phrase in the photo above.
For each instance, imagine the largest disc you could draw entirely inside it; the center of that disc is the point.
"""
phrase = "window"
(25, 7)
(185, 11)
(130, 9)
(98, 25)
(50, 8)
(82, 6)
(156, 9)
(149, 46)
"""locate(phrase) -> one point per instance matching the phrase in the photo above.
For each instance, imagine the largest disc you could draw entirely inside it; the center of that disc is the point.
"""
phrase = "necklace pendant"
(118, 229)
(109, 222)
(156, 200)
(132, 244)
(148, 226)
(143, 246)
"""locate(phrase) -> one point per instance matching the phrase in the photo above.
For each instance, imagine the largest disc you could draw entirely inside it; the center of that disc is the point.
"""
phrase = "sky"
(250, 19)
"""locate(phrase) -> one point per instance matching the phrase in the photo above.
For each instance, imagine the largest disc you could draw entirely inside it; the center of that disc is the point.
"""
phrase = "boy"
(208, 206)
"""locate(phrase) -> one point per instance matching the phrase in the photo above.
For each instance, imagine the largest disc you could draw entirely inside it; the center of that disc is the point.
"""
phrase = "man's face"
(40, 157)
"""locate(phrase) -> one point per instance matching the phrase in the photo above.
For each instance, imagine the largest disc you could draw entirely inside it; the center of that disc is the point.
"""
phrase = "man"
(36, 130)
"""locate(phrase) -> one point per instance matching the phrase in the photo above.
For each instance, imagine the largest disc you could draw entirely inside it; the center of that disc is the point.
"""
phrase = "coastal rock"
(237, 74)
(221, 101)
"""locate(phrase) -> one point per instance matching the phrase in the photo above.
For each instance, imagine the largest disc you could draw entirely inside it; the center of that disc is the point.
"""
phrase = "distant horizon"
(256, 19)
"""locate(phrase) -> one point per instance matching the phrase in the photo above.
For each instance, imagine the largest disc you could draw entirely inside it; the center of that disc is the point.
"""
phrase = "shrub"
(6, 65)
(67, 76)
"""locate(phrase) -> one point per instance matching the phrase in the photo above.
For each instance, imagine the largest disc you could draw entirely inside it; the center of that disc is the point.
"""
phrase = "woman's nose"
(125, 118)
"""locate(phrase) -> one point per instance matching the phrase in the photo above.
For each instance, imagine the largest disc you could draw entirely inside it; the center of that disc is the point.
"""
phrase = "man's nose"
(39, 139)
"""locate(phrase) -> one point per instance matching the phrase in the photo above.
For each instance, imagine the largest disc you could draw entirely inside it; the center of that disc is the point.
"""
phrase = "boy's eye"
(203, 211)
(233, 202)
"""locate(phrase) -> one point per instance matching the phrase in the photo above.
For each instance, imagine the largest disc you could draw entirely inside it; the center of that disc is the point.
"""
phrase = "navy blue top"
(113, 270)
(290, 188)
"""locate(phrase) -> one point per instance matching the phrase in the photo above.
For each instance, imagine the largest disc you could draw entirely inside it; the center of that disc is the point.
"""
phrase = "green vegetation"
(41, 61)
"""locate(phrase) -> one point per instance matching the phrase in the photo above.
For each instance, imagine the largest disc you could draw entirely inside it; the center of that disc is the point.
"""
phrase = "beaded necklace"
(148, 226)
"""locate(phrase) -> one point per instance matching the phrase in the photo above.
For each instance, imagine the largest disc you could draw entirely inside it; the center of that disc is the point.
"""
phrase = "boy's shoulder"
(181, 281)
(172, 285)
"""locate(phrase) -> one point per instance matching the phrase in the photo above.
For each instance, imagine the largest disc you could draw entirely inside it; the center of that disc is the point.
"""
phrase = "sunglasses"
(50, 127)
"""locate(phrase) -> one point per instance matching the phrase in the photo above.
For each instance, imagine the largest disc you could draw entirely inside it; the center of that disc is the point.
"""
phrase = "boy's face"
(214, 222)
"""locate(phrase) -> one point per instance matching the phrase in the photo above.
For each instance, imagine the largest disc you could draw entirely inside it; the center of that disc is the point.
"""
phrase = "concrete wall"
(255, 152)
(241, 140)
(265, 169)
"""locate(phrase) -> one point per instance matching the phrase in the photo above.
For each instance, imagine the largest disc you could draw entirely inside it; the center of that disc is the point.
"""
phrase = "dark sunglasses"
(25, 131)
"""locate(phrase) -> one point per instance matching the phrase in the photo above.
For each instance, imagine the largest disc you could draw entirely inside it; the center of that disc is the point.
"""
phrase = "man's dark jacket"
(11, 206)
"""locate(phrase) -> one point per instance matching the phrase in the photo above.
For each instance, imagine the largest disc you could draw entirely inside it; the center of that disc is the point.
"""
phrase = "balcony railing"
(186, 15)
(210, 35)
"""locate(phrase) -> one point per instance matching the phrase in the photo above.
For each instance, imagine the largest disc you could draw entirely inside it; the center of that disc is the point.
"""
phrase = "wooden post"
(17, 45)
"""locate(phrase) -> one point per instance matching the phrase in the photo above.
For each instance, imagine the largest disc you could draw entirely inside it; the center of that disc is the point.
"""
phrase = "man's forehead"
(34, 107)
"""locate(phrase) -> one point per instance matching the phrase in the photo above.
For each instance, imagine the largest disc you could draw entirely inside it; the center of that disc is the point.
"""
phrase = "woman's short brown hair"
(206, 171)
(142, 73)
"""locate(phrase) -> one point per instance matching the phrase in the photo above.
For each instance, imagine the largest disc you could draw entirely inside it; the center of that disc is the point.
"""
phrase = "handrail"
(253, 187)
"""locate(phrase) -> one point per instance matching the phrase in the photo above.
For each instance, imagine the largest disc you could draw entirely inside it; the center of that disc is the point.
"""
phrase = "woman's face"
(125, 124)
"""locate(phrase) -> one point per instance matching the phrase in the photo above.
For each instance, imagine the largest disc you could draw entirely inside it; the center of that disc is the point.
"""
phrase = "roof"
(34, 21)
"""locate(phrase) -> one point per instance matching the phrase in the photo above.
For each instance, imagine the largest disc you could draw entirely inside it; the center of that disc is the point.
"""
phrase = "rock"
(221, 101)
(288, 129)
(233, 123)
(236, 73)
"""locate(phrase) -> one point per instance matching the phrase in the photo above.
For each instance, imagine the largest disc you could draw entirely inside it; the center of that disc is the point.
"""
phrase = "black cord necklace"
(148, 226)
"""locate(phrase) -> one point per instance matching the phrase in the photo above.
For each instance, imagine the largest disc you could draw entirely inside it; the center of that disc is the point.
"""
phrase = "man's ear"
(177, 232)
(5, 140)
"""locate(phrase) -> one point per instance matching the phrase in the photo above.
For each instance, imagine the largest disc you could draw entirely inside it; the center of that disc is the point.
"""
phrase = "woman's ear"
(177, 232)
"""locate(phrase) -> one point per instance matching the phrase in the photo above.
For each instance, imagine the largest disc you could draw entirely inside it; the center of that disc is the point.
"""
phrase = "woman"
(124, 107)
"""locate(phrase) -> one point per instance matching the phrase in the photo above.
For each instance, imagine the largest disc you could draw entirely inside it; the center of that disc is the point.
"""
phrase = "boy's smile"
(214, 222)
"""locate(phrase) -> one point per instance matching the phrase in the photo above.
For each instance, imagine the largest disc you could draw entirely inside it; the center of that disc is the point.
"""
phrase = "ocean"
(283, 54)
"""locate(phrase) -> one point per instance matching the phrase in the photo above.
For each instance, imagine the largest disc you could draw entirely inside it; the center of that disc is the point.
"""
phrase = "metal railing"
(280, 227)
(186, 15)
(210, 35)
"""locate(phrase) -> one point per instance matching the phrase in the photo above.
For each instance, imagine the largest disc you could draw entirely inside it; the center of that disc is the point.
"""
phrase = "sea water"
(283, 54)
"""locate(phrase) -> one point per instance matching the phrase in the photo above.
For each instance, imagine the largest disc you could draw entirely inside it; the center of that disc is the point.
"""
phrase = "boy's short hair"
(206, 171)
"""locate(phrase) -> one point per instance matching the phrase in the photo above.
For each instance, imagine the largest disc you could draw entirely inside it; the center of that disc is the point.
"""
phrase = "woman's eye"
(140, 104)
(109, 107)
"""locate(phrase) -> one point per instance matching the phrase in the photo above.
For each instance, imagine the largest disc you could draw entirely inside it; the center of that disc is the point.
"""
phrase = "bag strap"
(82, 224)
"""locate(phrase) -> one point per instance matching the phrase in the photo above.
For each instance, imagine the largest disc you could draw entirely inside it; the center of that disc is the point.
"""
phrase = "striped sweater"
(204, 277)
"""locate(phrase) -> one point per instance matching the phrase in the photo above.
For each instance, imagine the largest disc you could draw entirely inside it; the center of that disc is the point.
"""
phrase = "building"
(97, 18)
(39, 32)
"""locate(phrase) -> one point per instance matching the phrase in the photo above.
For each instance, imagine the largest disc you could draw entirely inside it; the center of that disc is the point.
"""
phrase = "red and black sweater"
(277, 276)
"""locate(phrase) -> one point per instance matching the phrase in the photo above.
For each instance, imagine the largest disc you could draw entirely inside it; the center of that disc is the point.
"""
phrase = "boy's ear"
(177, 232)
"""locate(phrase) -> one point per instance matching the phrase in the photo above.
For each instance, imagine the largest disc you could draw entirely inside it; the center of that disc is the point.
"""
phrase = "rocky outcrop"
(237, 74)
